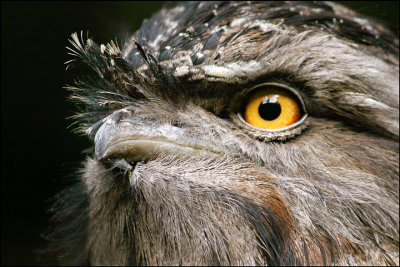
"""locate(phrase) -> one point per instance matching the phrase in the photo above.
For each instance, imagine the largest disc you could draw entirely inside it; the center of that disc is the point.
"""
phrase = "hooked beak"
(122, 140)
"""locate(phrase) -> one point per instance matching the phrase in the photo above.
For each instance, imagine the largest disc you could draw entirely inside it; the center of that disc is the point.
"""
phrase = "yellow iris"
(268, 100)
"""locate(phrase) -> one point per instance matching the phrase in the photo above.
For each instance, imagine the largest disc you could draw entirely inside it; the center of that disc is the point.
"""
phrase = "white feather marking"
(363, 100)
(181, 71)
(102, 48)
(218, 71)
(238, 22)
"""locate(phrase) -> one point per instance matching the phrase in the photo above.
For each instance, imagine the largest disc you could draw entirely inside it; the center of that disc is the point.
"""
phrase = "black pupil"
(269, 109)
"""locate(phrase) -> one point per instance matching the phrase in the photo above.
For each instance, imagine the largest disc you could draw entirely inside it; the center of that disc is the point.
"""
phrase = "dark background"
(38, 152)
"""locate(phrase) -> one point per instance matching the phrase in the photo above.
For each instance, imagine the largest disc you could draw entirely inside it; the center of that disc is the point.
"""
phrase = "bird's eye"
(273, 107)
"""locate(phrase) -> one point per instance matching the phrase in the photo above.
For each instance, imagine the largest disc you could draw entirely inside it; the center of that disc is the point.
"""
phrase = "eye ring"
(283, 129)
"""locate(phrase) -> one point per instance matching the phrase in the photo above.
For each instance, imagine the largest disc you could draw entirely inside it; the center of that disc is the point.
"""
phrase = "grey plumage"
(324, 192)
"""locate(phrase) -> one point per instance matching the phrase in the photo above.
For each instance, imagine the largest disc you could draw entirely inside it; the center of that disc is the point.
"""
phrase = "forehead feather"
(196, 32)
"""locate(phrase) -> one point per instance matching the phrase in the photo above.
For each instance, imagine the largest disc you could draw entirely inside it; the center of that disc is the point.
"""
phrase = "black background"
(38, 152)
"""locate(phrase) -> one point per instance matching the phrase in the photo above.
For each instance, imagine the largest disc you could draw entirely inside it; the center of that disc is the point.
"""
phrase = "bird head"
(238, 133)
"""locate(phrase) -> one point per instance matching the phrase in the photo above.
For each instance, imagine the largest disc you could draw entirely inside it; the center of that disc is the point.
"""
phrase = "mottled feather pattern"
(324, 193)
